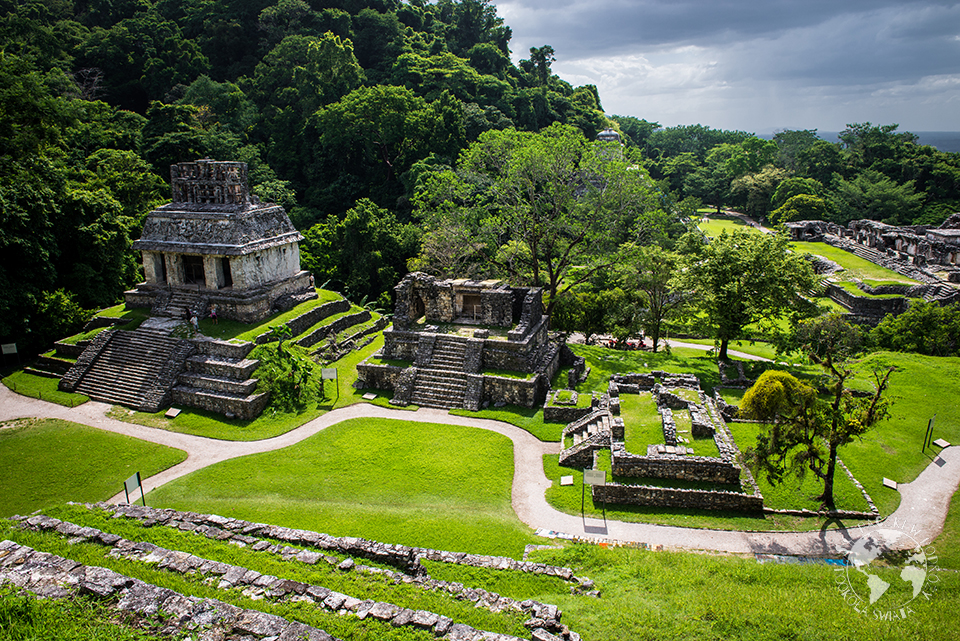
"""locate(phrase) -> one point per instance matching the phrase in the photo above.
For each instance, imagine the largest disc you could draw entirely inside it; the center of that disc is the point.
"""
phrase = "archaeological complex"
(450, 339)
(213, 247)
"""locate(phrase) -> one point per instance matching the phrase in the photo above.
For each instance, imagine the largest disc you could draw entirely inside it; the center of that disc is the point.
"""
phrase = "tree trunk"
(826, 499)
(655, 338)
(724, 342)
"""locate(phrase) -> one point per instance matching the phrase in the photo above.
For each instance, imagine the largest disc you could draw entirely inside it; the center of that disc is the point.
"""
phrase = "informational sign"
(131, 485)
(594, 477)
(9, 348)
(329, 373)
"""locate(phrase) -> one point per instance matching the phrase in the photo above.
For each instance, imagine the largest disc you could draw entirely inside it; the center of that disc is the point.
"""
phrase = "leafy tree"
(365, 253)
(801, 207)
(541, 59)
(744, 278)
(755, 190)
(636, 131)
(805, 432)
(872, 195)
(795, 186)
(791, 143)
(925, 328)
(652, 271)
(820, 161)
(288, 373)
(531, 207)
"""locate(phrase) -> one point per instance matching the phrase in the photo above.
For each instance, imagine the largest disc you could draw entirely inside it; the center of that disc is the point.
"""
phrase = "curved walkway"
(923, 505)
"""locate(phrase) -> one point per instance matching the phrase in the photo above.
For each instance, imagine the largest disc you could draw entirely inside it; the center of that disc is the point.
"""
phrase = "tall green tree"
(805, 431)
(531, 207)
(652, 271)
(746, 278)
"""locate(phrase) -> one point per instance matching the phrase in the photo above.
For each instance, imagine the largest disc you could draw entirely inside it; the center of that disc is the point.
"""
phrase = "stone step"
(218, 383)
(246, 407)
(212, 365)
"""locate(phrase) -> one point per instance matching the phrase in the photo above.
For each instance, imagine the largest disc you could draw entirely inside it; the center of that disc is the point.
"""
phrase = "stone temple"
(213, 245)
(217, 243)
(455, 339)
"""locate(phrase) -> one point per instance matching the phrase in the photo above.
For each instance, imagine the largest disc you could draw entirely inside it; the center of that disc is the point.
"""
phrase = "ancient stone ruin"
(213, 246)
(930, 256)
(673, 459)
(450, 338)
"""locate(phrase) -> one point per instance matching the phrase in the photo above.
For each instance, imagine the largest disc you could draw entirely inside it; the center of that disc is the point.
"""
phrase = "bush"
(288, 373)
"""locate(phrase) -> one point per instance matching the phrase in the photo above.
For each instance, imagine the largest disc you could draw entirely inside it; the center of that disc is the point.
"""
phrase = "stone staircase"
(219, 378)
(590, 433)
(181, 300)
(442, 383)
(136, 369)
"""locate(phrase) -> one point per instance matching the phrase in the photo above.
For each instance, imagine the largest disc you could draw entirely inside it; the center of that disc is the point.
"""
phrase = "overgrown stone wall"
(648, 495)
(514, 391)
(377, 376)
(865, 307)
(669, 466)
(308, 319)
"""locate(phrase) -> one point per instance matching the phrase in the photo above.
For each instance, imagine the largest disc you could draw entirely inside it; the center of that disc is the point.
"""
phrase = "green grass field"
(47, 462)
(715, 225)
(854, 266)
(641, 422)
(387, 480)
(42, 388)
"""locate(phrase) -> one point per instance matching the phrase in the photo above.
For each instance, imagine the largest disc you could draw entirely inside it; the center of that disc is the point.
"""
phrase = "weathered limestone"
(487, 326)
(217, 241)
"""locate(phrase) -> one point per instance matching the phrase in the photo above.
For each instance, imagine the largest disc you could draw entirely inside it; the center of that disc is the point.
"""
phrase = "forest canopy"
(349, 113)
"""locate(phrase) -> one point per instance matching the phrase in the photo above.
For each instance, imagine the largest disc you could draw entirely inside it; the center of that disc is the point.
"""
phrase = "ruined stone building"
(455, 334)
(217, 243)
(212, 245)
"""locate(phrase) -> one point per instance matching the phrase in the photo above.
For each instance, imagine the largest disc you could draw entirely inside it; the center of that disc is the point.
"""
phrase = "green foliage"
(875, 196)
(24, 617)
(801, 207)
(744, 278)
(925, 328)
(287, 372)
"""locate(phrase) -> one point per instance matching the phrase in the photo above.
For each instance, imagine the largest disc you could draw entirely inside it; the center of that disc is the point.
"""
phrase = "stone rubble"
(257, 586)
(53, 577)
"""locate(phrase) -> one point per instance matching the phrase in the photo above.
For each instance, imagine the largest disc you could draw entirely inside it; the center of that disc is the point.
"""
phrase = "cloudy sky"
(755, 65)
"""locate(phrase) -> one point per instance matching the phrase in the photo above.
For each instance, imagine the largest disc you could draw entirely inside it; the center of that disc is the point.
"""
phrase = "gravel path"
(923, 505)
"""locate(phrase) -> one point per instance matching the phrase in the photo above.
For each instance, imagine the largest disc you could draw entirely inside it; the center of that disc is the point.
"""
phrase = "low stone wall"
(305, 321)
(517, 356)
(672, 497)
(669, 466)
(334, 328)
(564, 413)
(864, 307)
(400, 345)
(382, 377)
(243, 408)
(514, 391)
(223, 349)
(70, 350)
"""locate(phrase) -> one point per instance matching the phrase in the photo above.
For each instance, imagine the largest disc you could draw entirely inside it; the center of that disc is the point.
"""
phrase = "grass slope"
(387, 480)
(49, 461)
(42, 388)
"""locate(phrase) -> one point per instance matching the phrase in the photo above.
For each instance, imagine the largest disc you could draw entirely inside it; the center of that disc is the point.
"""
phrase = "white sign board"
(329, 373)
(9, 348)
(594, 477)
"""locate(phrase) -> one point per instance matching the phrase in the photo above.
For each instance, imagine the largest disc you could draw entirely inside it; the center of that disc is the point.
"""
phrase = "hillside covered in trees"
(356, 115)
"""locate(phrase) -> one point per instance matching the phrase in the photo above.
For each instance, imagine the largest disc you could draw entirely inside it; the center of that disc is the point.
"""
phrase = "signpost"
(330, 373)
(593, 477)
(10, 348)
(131, 485)
(928, 437)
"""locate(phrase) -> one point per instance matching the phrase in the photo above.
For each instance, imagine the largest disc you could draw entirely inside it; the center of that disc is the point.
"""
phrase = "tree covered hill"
(328, 101)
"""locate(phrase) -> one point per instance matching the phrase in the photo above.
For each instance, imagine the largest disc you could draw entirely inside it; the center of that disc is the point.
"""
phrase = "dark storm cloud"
(755, 61)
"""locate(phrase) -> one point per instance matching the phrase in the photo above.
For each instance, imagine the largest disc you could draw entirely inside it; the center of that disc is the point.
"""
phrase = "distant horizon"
(947, 141)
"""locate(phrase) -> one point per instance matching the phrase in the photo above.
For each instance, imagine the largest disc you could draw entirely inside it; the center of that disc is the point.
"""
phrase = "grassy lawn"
(856, 291)
(716, 224)
(604, 362)
(50, 461)
(526, 418)
(227, 329)
(674, 596)
(43, 388)
(854, 266)
(387, 480)
(793, 493)
(641, 422)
